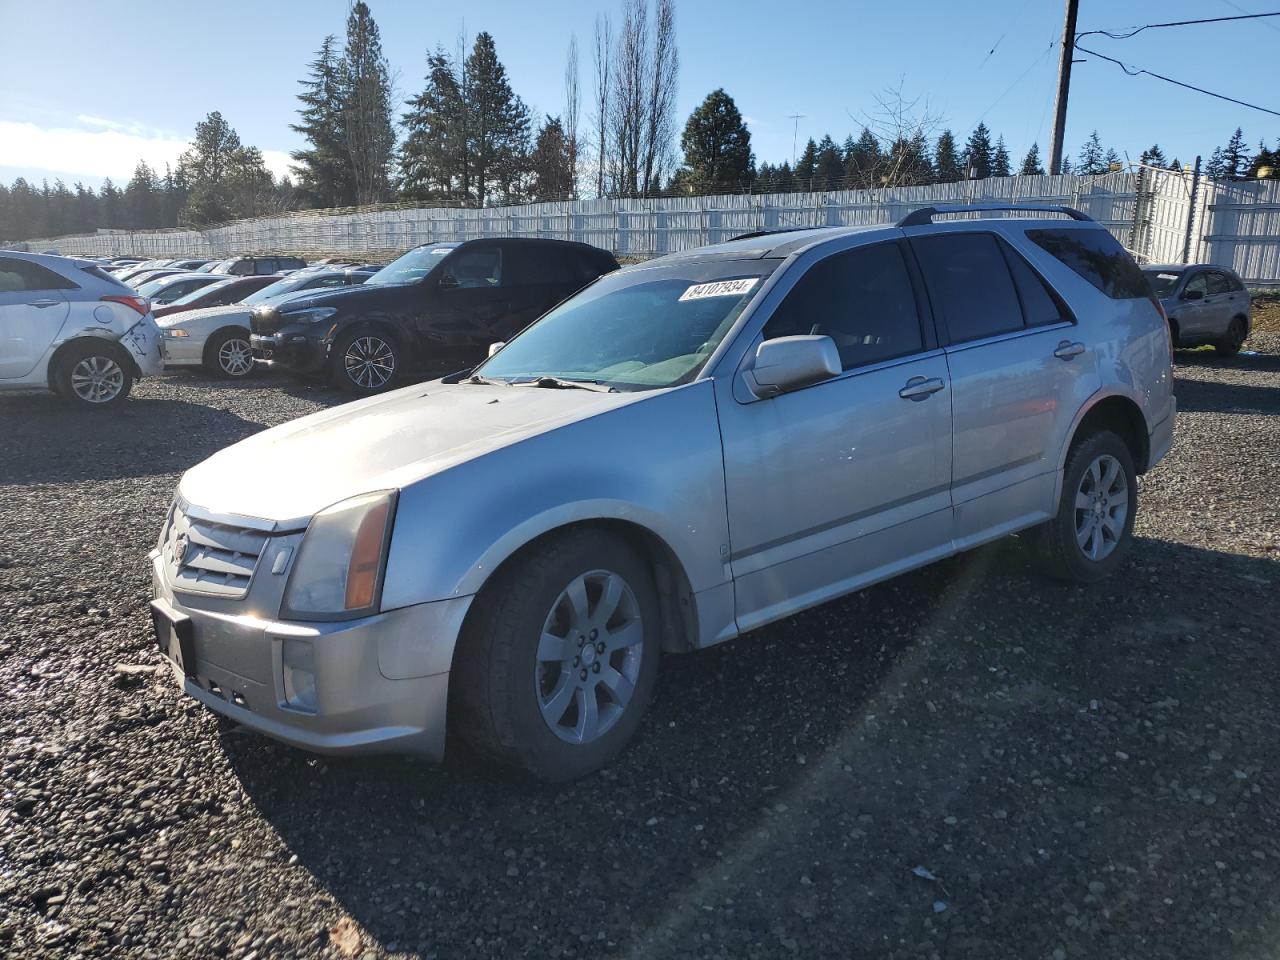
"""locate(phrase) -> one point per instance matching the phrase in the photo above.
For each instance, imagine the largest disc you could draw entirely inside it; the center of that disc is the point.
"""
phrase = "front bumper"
(291, 350)
(185, 351)
(368, 695)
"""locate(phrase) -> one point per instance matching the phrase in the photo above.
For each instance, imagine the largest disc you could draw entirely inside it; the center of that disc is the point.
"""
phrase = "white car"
(69, 326)
(217, 338)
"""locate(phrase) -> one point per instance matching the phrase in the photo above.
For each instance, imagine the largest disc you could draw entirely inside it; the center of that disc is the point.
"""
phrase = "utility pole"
(1067, 51)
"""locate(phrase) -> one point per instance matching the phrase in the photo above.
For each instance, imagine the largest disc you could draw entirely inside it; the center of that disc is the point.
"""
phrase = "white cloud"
(99, 147)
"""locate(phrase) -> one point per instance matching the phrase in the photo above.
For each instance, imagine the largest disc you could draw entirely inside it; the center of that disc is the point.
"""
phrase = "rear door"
(1221, 303)
(1016, 361)
(1195, 312)
(538, 276)
(33, 308)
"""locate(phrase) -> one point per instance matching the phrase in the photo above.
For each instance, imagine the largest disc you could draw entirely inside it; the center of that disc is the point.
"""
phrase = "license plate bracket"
(175, 636)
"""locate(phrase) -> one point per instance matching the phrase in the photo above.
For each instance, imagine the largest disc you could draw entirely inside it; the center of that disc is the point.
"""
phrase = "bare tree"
(603, 96)
(630, 96)
(571, 102)
(903, 126)
(659, 125)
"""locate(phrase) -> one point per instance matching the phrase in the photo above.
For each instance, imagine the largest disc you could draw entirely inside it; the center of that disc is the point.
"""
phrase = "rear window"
(100, 274)
(1098, 257)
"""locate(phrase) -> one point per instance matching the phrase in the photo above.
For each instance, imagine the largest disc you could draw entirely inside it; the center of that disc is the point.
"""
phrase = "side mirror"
(787, 363)
(495, 347)
(1193, 295)
(448, 282)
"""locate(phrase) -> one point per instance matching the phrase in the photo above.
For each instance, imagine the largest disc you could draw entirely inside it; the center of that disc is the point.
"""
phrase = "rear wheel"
(229, 355)
(1093, 528)
(559, 658)
(366, 361)
(1233, 339)
(93, 375)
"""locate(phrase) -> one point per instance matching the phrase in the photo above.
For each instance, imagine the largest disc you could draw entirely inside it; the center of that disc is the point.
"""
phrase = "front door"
(33, 308)
(1195, 314)
(835, 485)
(465, 310)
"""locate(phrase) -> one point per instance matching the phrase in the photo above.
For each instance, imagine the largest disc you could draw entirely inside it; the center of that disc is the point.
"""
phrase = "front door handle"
(1067, 350)
(920, 388)
(44, 303)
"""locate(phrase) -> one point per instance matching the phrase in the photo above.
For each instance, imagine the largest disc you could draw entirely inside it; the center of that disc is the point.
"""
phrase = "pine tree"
(977, 153)
(1091, 161)
(1265, 164)
(1031, 166)
(908, 162)
(807, 165)
(947, 166)
(550, 163)
(207, 163)
(1216, 166)
(785, 178)
(716, 145)
(141, 199)
(86, 209)
(1153, 156)
(433, 160)
(323, 168)
(498, 123)
(109, 203)
(365, 85)
(829, 170)
(1235, 157)
(1000, 159)
(863, 162)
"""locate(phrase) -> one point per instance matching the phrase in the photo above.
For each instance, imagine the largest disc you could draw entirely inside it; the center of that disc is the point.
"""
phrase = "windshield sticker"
(720, 288)
(1167, 276)
(440, 251)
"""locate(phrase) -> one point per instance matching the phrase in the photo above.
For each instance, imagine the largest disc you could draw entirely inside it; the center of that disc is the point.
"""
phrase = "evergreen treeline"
(467, 138)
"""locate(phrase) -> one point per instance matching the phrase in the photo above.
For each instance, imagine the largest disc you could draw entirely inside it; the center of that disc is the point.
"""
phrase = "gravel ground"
(968, 761)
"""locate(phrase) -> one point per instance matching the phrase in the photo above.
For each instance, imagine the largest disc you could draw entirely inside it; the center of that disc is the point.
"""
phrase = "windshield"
(151, 286)
(411, 267)
(285, 285)
(636, 330)
(1163, 282)
(200, 292)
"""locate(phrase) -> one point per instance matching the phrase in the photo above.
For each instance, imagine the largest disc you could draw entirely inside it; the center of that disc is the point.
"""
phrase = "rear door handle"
(44, 303)
(920, 388)
(1066, 350)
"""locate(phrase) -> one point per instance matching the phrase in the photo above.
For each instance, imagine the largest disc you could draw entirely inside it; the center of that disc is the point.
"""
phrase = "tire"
(1233, 340)
(93, 374)
(525, 704)
(228, 355)
(1080, 545)
(366, 361)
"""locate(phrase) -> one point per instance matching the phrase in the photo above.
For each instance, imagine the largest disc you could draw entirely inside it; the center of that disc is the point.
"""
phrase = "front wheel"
(559, 658)
(366, 361)
(229, 355)
(1093, 528)
(1233, 339)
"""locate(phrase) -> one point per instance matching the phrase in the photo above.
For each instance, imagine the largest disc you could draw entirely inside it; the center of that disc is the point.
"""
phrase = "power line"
(1236, 6)
(1175, 23)
(1138, 71)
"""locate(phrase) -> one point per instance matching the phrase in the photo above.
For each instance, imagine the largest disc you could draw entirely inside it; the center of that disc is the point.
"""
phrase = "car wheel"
(93, 375)
(1234, 338)
(229, 355)
(366, 361)
(1093, 528)
(558, 658)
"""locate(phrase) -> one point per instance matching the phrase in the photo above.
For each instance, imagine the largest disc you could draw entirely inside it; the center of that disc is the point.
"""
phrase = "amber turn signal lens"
(366, 557)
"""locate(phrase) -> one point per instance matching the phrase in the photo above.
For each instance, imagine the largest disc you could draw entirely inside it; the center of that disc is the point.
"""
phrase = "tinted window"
(534, 264)
(1039, 305)
(263, 266)
(18, 275)
(1098, 257)
(861, 299)
(1218, 283)
(1199, 283)
(969, 284)
(477, 267)
(1236, 283)
(1163, 281)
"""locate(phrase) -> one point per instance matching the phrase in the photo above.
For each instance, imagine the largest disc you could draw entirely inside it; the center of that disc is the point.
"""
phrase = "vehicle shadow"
(1207, 359)
(43, 440)
(1220, 396)
(1016, 737)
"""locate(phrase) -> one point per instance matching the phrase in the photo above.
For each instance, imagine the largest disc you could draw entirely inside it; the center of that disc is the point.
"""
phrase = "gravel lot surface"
(966, 762)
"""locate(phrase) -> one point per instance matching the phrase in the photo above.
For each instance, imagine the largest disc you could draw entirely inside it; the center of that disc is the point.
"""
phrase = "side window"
(477, 269)
(22, 275)
(862, 299)
(264, 266)
(1236, 283)
(1218, 283)
(1098, 257)
(338, 281)
(1199, 283)
(1039, 305)
(969, 284)
(531, 265)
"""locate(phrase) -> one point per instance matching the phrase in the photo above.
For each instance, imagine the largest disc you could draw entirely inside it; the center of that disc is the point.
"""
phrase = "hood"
(203, 313)
(267, 317)
(288, 473)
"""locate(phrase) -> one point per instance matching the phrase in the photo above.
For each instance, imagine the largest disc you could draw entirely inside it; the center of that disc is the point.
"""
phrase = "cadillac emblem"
(180, 548)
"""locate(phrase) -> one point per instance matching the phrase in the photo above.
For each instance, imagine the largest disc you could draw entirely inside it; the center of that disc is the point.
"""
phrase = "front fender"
(655, 463)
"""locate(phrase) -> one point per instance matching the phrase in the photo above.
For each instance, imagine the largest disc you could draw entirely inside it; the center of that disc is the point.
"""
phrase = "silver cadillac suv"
(687, 449)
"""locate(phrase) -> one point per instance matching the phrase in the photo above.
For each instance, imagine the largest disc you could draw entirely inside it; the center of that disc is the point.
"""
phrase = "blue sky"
(87, 88)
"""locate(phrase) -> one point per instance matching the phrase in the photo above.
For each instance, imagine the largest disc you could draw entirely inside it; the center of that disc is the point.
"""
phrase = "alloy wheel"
(1102, 507)
(588, 660)
(97, 379)
(369, 362)
(235, 357)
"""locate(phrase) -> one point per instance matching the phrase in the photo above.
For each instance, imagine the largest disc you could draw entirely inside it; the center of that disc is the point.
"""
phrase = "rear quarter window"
(1097, 257)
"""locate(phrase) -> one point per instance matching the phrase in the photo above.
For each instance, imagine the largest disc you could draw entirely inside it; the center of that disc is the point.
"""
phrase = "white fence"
(1152, 213)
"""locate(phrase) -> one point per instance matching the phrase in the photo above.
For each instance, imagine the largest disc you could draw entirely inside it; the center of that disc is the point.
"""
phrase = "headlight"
(174, 334)
(316, 315)
(338, 572)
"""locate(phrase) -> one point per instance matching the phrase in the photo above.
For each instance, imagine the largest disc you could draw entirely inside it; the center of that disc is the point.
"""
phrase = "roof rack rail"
(925, 215)
(766, 233)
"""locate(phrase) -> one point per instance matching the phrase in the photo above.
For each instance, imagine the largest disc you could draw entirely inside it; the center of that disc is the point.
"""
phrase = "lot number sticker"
(721, 288)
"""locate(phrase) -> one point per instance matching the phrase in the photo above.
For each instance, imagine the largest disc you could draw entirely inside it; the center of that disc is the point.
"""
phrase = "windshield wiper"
(476, 378)
(560, 383)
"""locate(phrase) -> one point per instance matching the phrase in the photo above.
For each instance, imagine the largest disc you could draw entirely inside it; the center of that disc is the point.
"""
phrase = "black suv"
(258, 266)
(440, 303)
